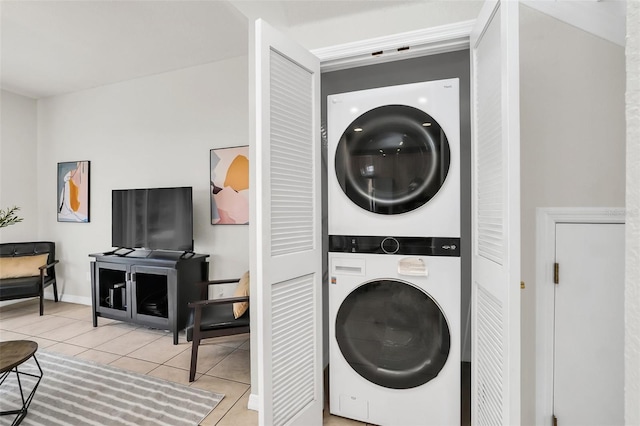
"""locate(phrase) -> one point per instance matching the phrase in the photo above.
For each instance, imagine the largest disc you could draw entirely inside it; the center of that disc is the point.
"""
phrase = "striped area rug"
(78, 392)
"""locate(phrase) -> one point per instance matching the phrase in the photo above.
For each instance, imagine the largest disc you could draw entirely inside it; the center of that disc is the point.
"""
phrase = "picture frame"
(73, 191)
(229, 185)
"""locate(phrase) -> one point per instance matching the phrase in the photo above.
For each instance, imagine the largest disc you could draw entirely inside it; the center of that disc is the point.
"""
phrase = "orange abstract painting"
(73, 191)
(230, 186)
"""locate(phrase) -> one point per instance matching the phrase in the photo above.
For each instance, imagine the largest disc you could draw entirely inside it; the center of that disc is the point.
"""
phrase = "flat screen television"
(154, 218)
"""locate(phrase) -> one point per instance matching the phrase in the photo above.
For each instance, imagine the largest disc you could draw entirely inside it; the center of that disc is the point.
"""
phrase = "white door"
(588, 379)
(286, 229)
(495, 388)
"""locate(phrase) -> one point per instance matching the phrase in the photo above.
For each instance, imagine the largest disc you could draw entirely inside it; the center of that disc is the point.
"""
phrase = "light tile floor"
(223, 363)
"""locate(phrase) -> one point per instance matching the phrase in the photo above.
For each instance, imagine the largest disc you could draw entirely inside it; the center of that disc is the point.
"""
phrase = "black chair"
(20, 287)
(214, 318)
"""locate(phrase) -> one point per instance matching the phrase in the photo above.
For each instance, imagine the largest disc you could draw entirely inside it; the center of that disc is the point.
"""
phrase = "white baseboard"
(253, 404)
(81, 300)
(11, 302)
(70, 298)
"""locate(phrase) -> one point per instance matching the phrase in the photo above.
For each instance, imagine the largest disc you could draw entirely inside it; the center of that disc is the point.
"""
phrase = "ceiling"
(53, 47)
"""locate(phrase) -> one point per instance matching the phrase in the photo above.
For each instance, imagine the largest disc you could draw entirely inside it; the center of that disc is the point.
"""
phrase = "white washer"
(394, 160)
(394, 322)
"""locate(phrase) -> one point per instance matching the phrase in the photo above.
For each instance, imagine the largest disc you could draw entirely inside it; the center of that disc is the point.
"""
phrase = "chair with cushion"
(26, 269)
(217, 317)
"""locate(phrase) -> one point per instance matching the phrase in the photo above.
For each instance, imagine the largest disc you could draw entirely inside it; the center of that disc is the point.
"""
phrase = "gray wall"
(18, 164)
(427, 68)
(153, 131)
(572, 144)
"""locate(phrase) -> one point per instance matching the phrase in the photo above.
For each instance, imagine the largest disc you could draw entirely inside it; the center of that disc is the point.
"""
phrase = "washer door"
(392, 159)
(393, 334)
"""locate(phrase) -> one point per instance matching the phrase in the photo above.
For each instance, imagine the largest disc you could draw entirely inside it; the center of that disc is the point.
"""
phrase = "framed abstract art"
(73, 191)
(229, 188)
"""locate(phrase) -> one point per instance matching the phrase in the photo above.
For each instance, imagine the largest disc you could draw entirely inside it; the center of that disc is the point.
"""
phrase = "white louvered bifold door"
(286, 229)
(496, 215)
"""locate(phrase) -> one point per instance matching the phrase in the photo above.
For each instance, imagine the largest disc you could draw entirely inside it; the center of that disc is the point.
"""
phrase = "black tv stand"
(153, 290)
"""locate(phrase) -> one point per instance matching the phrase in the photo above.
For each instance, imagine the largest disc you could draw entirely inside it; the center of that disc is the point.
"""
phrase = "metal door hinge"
(522, 285)
(556, 273)
(554, 419)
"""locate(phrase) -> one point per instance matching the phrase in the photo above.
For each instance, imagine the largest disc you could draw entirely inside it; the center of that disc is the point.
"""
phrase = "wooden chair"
(215, 318)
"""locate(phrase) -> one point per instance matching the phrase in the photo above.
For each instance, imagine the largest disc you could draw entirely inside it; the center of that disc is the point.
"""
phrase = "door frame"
(423, 42)
(546, 220)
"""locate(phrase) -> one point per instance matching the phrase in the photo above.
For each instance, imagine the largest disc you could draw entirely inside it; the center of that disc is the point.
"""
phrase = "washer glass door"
(393, 334)
(392, 159)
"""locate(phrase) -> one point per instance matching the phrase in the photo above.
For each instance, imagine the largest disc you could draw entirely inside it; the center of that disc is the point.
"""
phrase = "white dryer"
(394, 321)
(394, 160)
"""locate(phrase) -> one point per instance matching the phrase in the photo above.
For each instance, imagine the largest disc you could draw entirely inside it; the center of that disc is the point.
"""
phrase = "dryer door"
(392, 159)
(393, 334)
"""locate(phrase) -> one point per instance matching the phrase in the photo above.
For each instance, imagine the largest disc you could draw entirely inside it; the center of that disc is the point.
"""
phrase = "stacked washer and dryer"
(394, 254)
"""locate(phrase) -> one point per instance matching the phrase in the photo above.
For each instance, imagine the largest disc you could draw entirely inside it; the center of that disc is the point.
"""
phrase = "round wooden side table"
(13, 354)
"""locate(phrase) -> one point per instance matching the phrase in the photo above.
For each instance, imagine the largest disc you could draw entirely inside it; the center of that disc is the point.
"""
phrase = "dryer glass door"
(393, 334)
(392, 159)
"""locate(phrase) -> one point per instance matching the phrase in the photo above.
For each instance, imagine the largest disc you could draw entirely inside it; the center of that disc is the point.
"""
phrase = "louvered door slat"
(291, 153)
(489, 166)
(293, 351)
(490, 348)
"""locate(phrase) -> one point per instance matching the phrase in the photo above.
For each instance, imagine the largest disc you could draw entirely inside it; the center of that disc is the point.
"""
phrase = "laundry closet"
(511, 92)
(379, 254)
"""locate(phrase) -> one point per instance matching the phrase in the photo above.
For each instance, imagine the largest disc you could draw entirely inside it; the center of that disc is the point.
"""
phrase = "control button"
(390, 245)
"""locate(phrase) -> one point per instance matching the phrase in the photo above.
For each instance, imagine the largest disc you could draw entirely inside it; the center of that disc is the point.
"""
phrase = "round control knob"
(390, 245)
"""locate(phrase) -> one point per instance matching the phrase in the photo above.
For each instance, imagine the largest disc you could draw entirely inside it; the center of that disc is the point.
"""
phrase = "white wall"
(400, 18)
(18, 165)
(572, 141)
(149, 132)
(632, 285)
(310, 25)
